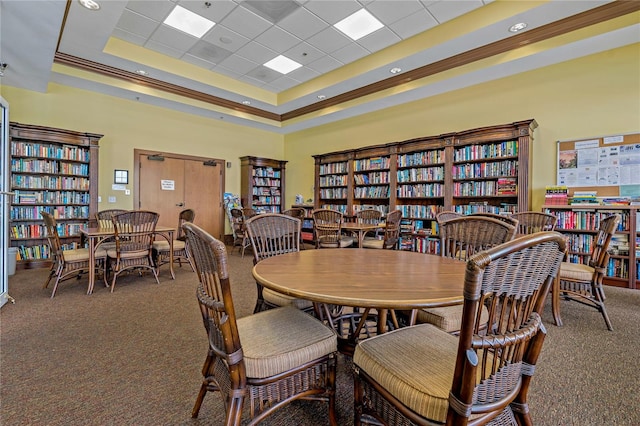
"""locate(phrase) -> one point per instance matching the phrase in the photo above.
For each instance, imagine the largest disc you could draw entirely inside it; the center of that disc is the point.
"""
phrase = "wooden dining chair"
(104, 218)
(503, 217)
(391, 233)
(162, 248)
(70, 263)
(583, 282)
(530, 222)
(270, 358)
(459, 239)
(298, 213)
(240, 236)
(327, 228)
(134, 232)
(274, 234)
(421, 375)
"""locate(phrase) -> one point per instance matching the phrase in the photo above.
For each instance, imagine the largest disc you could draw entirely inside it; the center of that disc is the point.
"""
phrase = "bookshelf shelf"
(55, 170)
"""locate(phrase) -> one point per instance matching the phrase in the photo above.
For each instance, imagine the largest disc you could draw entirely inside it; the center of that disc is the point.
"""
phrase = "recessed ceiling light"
(359, 24)
(322, 97)
(246, 102)
(90, 4)
(282, 64)
(142, 72)
(517, 27)
(188, 22)
(395, 70)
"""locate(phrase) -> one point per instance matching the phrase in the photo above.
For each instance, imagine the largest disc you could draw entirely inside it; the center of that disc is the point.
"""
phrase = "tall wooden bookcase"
(262, 184)
(580, 224)
(54, 170)
(484, 169)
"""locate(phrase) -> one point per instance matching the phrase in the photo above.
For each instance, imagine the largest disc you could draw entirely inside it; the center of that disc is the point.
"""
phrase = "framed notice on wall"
(609, 165)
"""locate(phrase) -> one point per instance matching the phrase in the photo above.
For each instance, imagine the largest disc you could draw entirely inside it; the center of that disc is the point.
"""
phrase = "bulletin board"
(609, 165)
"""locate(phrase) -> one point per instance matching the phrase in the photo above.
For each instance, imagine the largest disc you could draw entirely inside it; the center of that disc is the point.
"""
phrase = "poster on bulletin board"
(609, 165)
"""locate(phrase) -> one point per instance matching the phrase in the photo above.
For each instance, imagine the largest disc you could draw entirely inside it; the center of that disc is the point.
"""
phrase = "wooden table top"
(368, 278)
(355, 226)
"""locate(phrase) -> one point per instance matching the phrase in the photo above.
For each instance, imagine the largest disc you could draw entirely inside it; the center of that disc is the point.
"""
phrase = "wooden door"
(169, 183)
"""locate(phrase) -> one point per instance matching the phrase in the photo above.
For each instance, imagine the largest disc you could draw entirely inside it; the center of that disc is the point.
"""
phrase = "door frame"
(136, 175)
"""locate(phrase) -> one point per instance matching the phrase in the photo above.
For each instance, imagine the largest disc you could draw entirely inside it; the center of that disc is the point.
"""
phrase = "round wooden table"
(365, 278)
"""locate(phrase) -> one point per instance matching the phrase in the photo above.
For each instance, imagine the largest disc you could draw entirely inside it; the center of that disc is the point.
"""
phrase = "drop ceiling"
(439, 46)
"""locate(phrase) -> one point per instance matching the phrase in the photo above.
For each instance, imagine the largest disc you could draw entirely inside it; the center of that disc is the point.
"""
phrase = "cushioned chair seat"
(163, 245)
(447, 318)
(279, 299)
(374, 243)
(576, 271)
(390, 359)
(82, 254)
(271, 346)
(112, 253)
(345, 241)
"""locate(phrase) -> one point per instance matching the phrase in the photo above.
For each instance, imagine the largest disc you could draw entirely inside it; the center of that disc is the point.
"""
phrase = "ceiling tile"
(223, 37)
(302, 24)
(217, 10)
(137, 24)
(350, 53)
(303, 74)
(389, 12)
(264, 74)
(329, 40)
(379, 39)
(414, 24)
(335, 10)
(239, 64)
(325, 64)
(157, 10)
(271, 10)
(282, 83)
(209, 52)
(245, 22)
(197, 61)
(304, 53)
(444, 11)
(131, 38)
(165, 50)
(256, 52)
(278, 39)
(173, 38)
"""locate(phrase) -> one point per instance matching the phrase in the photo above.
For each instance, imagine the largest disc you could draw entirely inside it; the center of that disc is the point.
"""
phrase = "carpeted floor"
(133, 357)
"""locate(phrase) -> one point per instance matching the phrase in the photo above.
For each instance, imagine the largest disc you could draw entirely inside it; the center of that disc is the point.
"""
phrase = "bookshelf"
(54, 170)
(579, 224)
(262, 184)
(478, 170)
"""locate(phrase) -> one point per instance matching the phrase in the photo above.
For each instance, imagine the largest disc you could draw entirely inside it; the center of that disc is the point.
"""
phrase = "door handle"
(180, 204)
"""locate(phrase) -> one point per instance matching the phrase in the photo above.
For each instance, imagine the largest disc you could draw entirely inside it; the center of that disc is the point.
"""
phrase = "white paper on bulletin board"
(167, 185)
(588, 164)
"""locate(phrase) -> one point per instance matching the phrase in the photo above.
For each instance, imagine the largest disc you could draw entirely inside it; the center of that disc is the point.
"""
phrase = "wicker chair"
(327, 227)
(298, 213)
(66, 264)
(460, 238)
(240, 237)
(583, 282)
(104, 219)
(248, 212)
(273, 234)
(531, 222)
(422, 375)
(369, 216)
(134, 231)
(447, 215)
(270, 358)
(161, 248)
(391, 233)
(503, 217)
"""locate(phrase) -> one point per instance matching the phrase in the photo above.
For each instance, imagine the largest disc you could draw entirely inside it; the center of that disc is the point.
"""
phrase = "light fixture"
(395, 70)
(188, 22)
(322, 97)
(517, 27)
(3, 66)
(90, 4)
(282, 64)
(246, 102)
(142, 72)
(359, 24)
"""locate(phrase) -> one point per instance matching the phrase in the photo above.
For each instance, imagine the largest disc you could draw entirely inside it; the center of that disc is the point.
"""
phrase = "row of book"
(421, 158)
(371, 178)
(480, 152)
(49, 182)
(480, 170)
(376, 163)
(65, 152)
(330, 168)
(421, 174)
(266, 172)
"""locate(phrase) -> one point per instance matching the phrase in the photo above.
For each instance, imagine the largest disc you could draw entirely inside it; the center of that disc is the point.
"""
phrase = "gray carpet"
(133, 357)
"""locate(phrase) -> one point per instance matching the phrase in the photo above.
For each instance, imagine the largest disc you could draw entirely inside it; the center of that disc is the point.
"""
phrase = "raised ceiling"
(439, 46)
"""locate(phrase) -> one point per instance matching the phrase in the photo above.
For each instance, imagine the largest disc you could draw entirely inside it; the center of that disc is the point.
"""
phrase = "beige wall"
(128, 124)
(592, 96)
